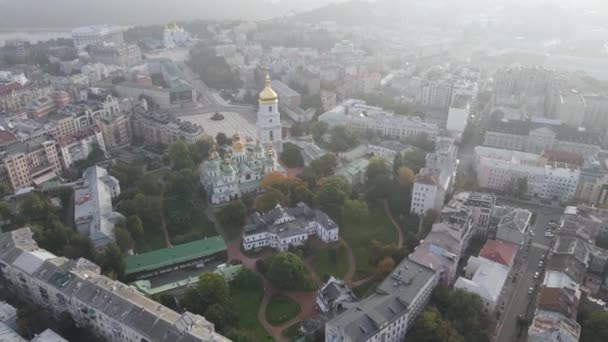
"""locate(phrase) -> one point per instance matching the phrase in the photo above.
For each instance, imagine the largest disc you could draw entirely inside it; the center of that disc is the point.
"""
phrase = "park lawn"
(248, 303)
(281, 309)
(360, 239)
(292, 331)
(324, 265)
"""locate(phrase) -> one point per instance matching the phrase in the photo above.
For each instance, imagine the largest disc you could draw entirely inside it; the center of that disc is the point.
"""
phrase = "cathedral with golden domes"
(245, 163)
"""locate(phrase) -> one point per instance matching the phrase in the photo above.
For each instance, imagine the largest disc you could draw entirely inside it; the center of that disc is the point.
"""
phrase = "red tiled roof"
(563, 157)
(6, 137)
(499, 251)
(558, 300)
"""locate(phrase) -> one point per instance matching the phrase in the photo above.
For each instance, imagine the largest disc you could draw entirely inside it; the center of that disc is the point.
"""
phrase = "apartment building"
(387, 314)
(73, 148)
(500, 170)
(31, 163)
(164, 128)
(125, 55)
(360, 118)
(435, 180)
(108, 308)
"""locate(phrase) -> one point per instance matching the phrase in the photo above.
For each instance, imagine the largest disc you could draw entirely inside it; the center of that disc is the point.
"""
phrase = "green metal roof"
(174, 255)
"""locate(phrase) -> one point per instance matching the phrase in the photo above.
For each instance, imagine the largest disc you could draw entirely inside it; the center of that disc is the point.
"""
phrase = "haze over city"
(304, 170)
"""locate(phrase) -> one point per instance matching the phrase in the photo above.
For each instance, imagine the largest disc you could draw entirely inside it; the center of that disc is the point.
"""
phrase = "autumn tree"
(405, 177)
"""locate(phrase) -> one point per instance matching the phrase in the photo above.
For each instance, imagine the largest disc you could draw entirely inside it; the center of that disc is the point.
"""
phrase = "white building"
(93, 213)
(78, 146)
(173, 36)
(333, 295)
(387, 314)
(359, 118)
(269, 119)
(240, 172)
(435, 180)
(388, 149)
(108, 308)
(513, 224)
(500, 170)
(96, 35)
(458, 115)
(484, 278)
(281, 228)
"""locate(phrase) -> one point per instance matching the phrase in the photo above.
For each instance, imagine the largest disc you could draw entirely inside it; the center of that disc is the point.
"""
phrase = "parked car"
(530, 290)
(541, 264)
(536, 275)
(531, 233)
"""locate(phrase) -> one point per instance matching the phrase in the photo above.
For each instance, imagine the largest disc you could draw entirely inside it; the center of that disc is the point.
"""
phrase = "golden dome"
(267, 95)
(237, 145)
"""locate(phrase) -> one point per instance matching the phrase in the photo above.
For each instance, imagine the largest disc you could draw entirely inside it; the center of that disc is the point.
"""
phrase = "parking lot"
(516, 299)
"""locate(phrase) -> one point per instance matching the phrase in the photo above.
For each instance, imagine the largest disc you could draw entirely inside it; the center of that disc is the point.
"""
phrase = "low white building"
(333, 294)
(388, 149)
(360, 118)
(284, 227)
(435, 180)
(501, 170)
(387, 314)
(484, 278)
(458, 115)
(93, 213)
(513, 224)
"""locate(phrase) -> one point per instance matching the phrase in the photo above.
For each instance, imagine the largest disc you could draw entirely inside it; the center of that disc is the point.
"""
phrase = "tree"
(182, 185)
(430, 216)
(405, 177)
(268, 200)
(213, 68)
(594, 327)
(325, 166)
(397, 163)
(342, 139)
(221, 139)
(148, 184)
(430, 326)
(123, 239)
(216, 314)
(378, 179)
(415, 160)
(331, 194)
(286, 271)
(355, 213)
(135, 228)
(291, 156)
(272, 179)
(318, 129)
(200, 149)
(521, 186)
(247, 279)
(180, 156)
(113, 263)
(34, 207)
(213, 289)
(232, 216)
(384, 268)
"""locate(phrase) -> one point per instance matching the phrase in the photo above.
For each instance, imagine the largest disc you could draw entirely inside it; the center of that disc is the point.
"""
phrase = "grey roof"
(299, 217)
(48, 336)
(333, 290)
(515, 219)
(93, 213)
(9, 335)
(81, 282)
(7, 312)
(390, 301)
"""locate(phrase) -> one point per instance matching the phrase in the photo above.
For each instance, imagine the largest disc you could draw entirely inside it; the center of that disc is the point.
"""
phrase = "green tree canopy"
(378, 179)
(286, 271)
(355, 213)
(595, 327)
(180, 156)
(291, 156)
(325, 166)
(318, 129)
(331, 194)
(213, 289)
(268, 200)
(430, 326)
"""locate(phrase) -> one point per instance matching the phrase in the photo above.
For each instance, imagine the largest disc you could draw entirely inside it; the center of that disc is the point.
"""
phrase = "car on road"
(530, 290)
(541, 264)
(531, 233)
(536, 275)
(542, 257)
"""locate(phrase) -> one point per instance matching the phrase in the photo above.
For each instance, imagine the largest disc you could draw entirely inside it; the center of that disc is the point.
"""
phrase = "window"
(269, 109)
(271, 135)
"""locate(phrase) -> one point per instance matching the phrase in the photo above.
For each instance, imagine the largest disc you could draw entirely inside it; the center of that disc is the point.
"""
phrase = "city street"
(515, 300)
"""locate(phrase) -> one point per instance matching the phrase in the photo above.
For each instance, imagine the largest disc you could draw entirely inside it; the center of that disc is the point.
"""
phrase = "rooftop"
(390, 301)
(550, 326)
(174, 255)
(499, 252)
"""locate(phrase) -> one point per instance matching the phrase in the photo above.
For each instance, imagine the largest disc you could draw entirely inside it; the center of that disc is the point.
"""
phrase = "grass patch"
(248, 302)
(292, 332)
(359, 238)
(281, 309)
(331, 261)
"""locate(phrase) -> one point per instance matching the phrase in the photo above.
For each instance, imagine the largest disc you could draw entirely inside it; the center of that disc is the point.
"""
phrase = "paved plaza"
(232, 123)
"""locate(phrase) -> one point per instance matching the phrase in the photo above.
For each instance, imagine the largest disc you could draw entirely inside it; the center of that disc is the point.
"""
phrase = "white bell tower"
(269, 119)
